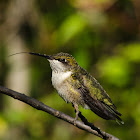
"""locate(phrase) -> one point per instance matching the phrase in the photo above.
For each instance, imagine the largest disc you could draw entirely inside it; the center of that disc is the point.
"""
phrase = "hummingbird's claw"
(75, 120)
(77, 112)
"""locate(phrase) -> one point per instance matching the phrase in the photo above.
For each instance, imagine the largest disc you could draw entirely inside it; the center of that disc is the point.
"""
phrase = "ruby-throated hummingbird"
(75, 85)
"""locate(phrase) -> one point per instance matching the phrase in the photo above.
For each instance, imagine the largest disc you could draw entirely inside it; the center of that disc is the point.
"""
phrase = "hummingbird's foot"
(77, 112)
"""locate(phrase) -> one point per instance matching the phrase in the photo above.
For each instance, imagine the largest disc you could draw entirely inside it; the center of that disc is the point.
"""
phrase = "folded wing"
(96, 97)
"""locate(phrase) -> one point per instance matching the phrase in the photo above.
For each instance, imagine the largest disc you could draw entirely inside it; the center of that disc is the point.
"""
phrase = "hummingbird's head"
(60, 62)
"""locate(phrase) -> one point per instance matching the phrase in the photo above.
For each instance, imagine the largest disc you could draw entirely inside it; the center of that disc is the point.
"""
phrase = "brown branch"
(41, 106)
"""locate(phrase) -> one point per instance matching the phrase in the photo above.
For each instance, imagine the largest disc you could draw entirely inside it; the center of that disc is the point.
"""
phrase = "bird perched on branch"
(75, 85)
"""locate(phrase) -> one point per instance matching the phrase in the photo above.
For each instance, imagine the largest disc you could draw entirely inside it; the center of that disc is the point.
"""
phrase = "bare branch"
(41, 106)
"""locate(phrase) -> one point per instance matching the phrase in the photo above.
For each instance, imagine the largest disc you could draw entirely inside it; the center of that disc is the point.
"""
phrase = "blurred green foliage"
(103, 36)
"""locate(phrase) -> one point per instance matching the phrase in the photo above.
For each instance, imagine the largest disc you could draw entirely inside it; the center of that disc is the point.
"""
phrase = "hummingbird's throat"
(57, 66)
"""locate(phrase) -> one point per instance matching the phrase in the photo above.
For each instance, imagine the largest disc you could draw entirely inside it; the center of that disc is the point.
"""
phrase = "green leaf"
(115, 70)
(132, 52)
(69, 28)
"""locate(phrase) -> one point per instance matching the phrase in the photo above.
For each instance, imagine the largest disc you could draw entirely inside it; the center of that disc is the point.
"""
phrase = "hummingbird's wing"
(95, 96)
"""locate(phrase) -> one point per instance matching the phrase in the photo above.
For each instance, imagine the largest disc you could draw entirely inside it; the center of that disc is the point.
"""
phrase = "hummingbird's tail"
(108, 114)
(103, 110)
(115, 114)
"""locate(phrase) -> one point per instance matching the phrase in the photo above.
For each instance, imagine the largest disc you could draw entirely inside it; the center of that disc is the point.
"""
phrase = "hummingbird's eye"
(62, 60)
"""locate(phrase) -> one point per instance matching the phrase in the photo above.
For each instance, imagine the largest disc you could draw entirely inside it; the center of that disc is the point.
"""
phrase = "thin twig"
(41, 106)
(85, 121)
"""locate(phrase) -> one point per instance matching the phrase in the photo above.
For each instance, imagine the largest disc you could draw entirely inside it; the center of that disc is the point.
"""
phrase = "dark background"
(103, 36)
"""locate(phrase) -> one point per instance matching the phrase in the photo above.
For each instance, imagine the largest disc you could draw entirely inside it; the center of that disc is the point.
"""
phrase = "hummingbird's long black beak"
(42, 55)
(38, 54)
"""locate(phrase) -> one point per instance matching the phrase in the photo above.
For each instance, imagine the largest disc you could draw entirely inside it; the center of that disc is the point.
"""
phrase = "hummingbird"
(75, 85)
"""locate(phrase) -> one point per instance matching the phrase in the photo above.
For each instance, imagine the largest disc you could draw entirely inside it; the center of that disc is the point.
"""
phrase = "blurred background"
(102, 35)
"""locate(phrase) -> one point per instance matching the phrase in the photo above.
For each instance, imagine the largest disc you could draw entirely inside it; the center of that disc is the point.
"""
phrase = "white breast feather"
(59, 77)
(57, 80)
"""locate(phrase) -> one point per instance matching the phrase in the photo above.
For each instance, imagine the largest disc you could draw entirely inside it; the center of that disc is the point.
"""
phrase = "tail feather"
(115, 113)
(100, 108)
